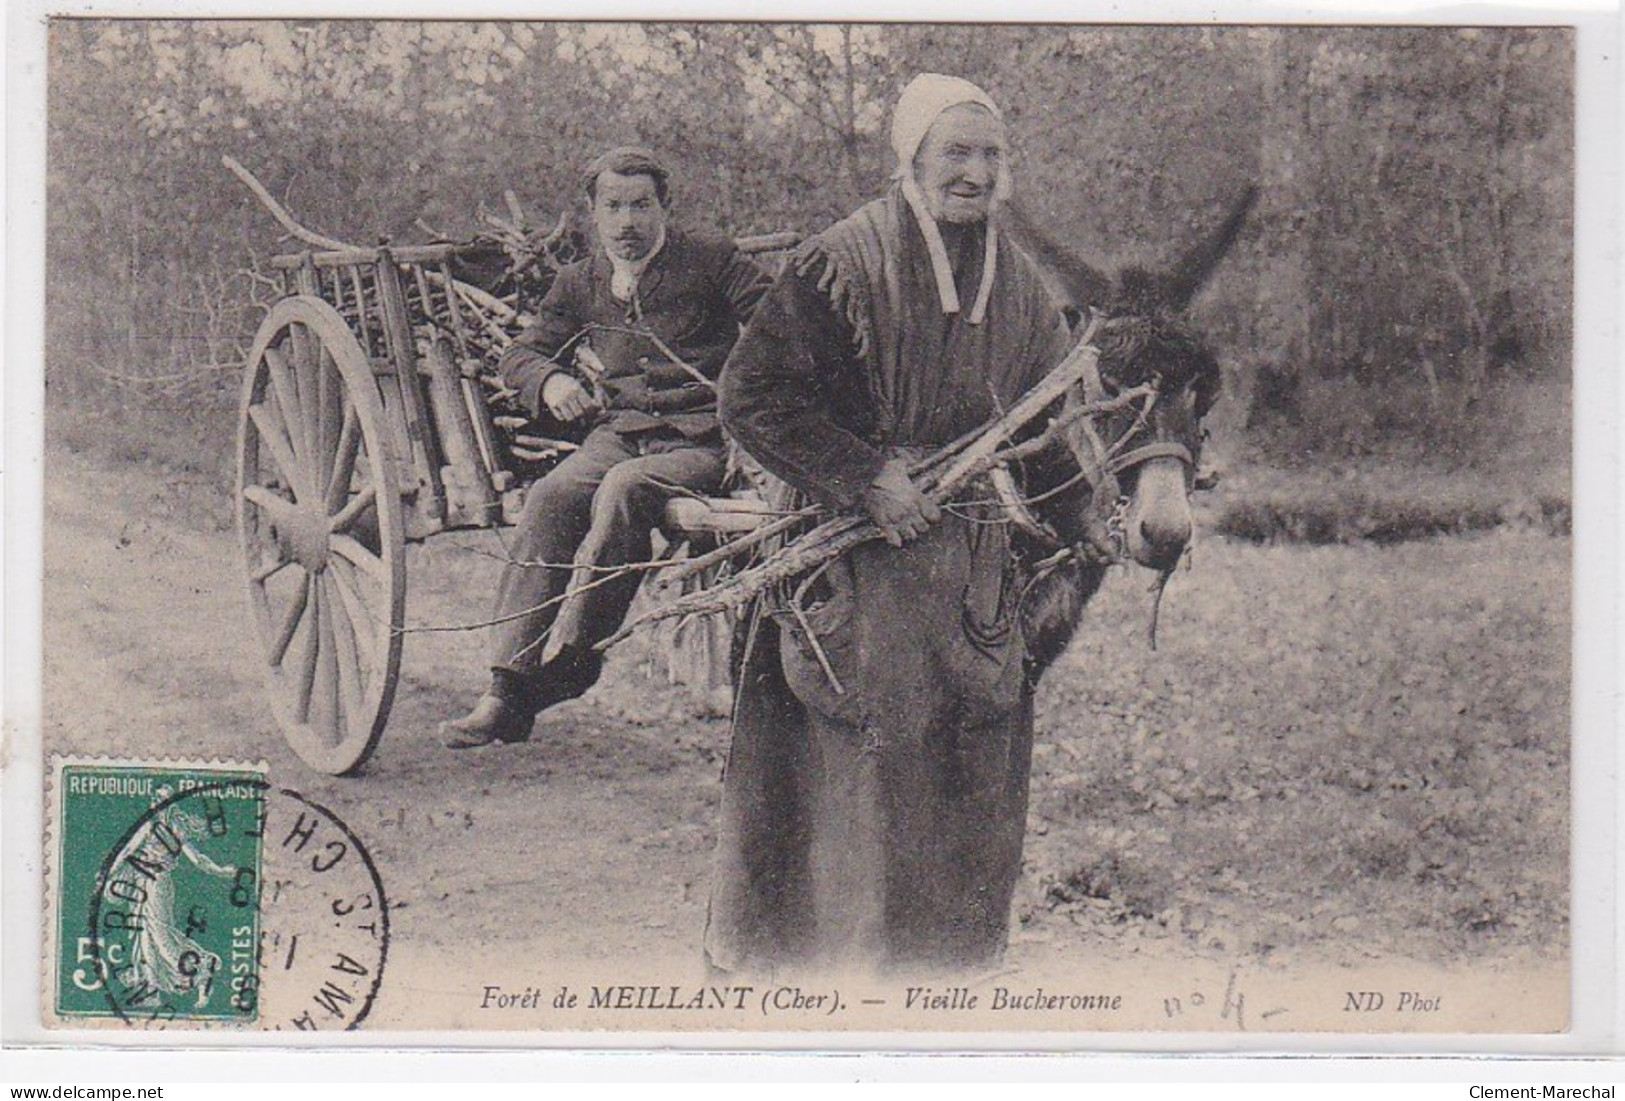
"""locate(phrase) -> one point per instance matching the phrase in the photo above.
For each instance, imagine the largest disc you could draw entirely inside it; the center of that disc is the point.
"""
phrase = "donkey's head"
(1151, 448)
(1144, 454)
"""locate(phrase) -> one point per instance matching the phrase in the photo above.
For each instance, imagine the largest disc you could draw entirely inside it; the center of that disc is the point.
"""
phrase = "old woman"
(876, 791)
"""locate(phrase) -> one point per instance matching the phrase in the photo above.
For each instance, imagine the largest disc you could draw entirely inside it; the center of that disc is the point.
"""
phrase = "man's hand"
(897, 506)
(566, 398)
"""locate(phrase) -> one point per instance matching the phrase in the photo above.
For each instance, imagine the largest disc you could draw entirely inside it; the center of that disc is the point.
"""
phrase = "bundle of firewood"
(941, 475)
(496, 276)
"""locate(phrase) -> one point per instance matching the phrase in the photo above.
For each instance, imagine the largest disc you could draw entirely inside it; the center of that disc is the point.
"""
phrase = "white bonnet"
(925, 98)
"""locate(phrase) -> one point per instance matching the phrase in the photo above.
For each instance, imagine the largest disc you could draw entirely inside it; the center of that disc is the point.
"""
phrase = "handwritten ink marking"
(1232, 997)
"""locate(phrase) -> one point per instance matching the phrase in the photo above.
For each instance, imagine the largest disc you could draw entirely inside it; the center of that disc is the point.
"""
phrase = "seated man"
(660, 309)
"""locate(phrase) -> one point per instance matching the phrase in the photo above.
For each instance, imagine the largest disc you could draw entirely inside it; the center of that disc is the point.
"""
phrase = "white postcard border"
(1598, 1019)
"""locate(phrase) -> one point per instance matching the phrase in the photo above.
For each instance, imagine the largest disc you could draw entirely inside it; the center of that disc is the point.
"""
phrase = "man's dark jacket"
(694, 295)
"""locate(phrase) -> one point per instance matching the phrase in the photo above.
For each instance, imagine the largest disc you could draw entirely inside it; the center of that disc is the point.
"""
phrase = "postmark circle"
(233, 903)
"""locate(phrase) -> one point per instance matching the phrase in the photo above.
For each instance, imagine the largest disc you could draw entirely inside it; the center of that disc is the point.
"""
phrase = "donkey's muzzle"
(1162, 545)
(1158, 524)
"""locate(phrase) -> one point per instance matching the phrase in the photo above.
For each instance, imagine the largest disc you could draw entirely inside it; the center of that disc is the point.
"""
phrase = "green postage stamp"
(157, 872)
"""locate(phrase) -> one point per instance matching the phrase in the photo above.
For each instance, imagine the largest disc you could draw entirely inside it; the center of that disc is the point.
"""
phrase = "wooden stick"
(488, 302)
(279, 212)
(544, 442)
(515, 211)
(496, 332)
(666, 351)
(767, 242)
(557, 233)
(734, 547)
(1052, 386)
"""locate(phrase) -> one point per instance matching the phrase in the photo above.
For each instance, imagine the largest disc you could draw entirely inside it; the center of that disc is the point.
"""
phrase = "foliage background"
(1409, 266)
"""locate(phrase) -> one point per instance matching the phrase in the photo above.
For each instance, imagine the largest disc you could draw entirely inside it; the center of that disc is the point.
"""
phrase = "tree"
(1414, 225)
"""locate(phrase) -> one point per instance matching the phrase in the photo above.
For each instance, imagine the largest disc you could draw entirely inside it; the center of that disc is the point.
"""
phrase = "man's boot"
(505, 713)
(571, 672)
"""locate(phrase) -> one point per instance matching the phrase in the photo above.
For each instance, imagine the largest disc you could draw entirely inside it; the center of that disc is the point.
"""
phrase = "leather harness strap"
(1162, 449)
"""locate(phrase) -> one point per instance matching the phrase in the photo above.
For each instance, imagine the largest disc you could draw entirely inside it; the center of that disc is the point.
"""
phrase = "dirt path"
(592, 843)
(147, 649)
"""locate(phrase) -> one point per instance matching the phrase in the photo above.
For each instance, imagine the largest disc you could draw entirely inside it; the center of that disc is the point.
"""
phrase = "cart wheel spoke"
(328, 413)
(344, 460)
(290, 622)
(306, 360)
(308, 657)
(286, 388)
(360, 503)
(282, 453)
(270, 570)
(325, 717)
(280, 509)
(346, 649)
(363, 621)
(352, 551)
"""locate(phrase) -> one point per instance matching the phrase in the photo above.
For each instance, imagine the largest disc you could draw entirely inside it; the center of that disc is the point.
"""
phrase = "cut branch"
(280, 212)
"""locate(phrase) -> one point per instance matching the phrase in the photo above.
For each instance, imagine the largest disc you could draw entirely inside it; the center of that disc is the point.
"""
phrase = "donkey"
(1139, 464)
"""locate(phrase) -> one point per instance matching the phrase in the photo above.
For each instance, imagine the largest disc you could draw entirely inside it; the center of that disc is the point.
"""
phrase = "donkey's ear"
(1084, 285)
(1180, 285)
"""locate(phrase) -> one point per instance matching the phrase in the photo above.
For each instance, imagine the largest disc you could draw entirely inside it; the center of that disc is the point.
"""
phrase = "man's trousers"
(593, 512)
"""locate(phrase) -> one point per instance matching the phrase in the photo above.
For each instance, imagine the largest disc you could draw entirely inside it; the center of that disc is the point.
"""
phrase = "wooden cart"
(371, 416)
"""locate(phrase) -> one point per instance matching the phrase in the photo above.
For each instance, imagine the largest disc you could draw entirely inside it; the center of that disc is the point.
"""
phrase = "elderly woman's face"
(957, 166)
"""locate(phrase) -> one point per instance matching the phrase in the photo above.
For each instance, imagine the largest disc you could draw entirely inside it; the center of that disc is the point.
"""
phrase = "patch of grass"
(1303, 478)
(187, 448)
(1340, 420)
(1127, 886)
(1383, 852)
(1352, 516)
(187, 439)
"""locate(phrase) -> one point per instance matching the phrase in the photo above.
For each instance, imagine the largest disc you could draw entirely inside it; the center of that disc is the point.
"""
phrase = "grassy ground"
(1364, 746)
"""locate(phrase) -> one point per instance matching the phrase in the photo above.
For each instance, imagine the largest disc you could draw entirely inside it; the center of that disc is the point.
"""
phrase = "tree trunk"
(1288, 200)
(1504, 342)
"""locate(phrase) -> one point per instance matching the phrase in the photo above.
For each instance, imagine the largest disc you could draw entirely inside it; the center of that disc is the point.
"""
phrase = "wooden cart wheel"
(319, 515)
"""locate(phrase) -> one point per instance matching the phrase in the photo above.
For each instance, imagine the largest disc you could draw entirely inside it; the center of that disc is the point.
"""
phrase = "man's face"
(957, 166)
(628, 214)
